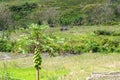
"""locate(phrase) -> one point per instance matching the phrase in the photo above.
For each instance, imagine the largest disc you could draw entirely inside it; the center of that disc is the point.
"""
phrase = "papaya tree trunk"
(37, 68)
(37, 73)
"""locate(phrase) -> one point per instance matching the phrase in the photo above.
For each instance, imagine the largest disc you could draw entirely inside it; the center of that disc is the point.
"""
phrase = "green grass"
(76, 32)
(73, 67)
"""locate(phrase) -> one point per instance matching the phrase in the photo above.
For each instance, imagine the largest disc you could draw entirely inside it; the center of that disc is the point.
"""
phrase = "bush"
(116, 33)
(92, 44)
(71, 17)
(84, 43)
(105, 32)
(5, 46)
(21, 11)
(98, 14)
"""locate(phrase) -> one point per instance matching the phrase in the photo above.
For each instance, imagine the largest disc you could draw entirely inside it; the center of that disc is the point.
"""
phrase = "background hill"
(59, 12)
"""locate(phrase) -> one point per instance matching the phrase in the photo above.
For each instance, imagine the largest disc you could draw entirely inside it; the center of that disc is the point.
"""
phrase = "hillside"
(60, 12)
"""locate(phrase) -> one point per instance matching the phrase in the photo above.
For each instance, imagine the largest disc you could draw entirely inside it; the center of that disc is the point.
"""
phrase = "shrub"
(5, 46)
(21, 11)
(24, 7)
(92, 44)
(97, 14)
(116, 33)
(105, 32)
(71, 17)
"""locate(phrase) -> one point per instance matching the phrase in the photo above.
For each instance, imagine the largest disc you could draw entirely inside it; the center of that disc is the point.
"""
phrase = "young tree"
(38, 39)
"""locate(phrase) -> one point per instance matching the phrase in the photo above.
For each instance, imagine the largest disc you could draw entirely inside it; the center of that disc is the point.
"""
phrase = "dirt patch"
(8, 56)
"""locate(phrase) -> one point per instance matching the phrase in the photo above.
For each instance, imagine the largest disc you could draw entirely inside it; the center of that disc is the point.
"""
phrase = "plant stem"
(37, 73)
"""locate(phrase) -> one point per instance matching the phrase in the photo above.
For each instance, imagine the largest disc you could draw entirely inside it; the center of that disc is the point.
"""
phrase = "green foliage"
(87, 43)
(23, 45)
(54, 45)
(98, 14)
(105, 32)
(38, 36)
(89, 14)
(71, 17)
(28, 42)
(5, 45)
(37, 40)
(21, 11)
(24, 7)
(64, 12)
(50, 21)
(100, 41)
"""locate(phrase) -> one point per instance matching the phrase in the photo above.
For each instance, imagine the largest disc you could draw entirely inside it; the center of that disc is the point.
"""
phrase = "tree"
(98, 13)
(38, 40)
(5, 18)
(47, 15)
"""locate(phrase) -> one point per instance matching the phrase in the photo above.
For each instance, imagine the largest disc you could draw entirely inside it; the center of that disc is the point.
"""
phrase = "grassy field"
(73, 33)
(65, 67)
(70, 67)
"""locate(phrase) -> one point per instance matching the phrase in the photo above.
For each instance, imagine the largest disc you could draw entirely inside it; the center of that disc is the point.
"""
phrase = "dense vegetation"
(17, 14)
(57, 12)
(72, 41)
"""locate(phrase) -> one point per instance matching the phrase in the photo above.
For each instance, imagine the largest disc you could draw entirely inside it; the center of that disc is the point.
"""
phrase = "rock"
(51, 25)
(65, 28)
(104, 76)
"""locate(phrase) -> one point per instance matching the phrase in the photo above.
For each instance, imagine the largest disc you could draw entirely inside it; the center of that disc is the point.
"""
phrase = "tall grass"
(74, 67)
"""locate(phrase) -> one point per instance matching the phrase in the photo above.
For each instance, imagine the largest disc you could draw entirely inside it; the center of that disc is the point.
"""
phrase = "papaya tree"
(38, 41)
